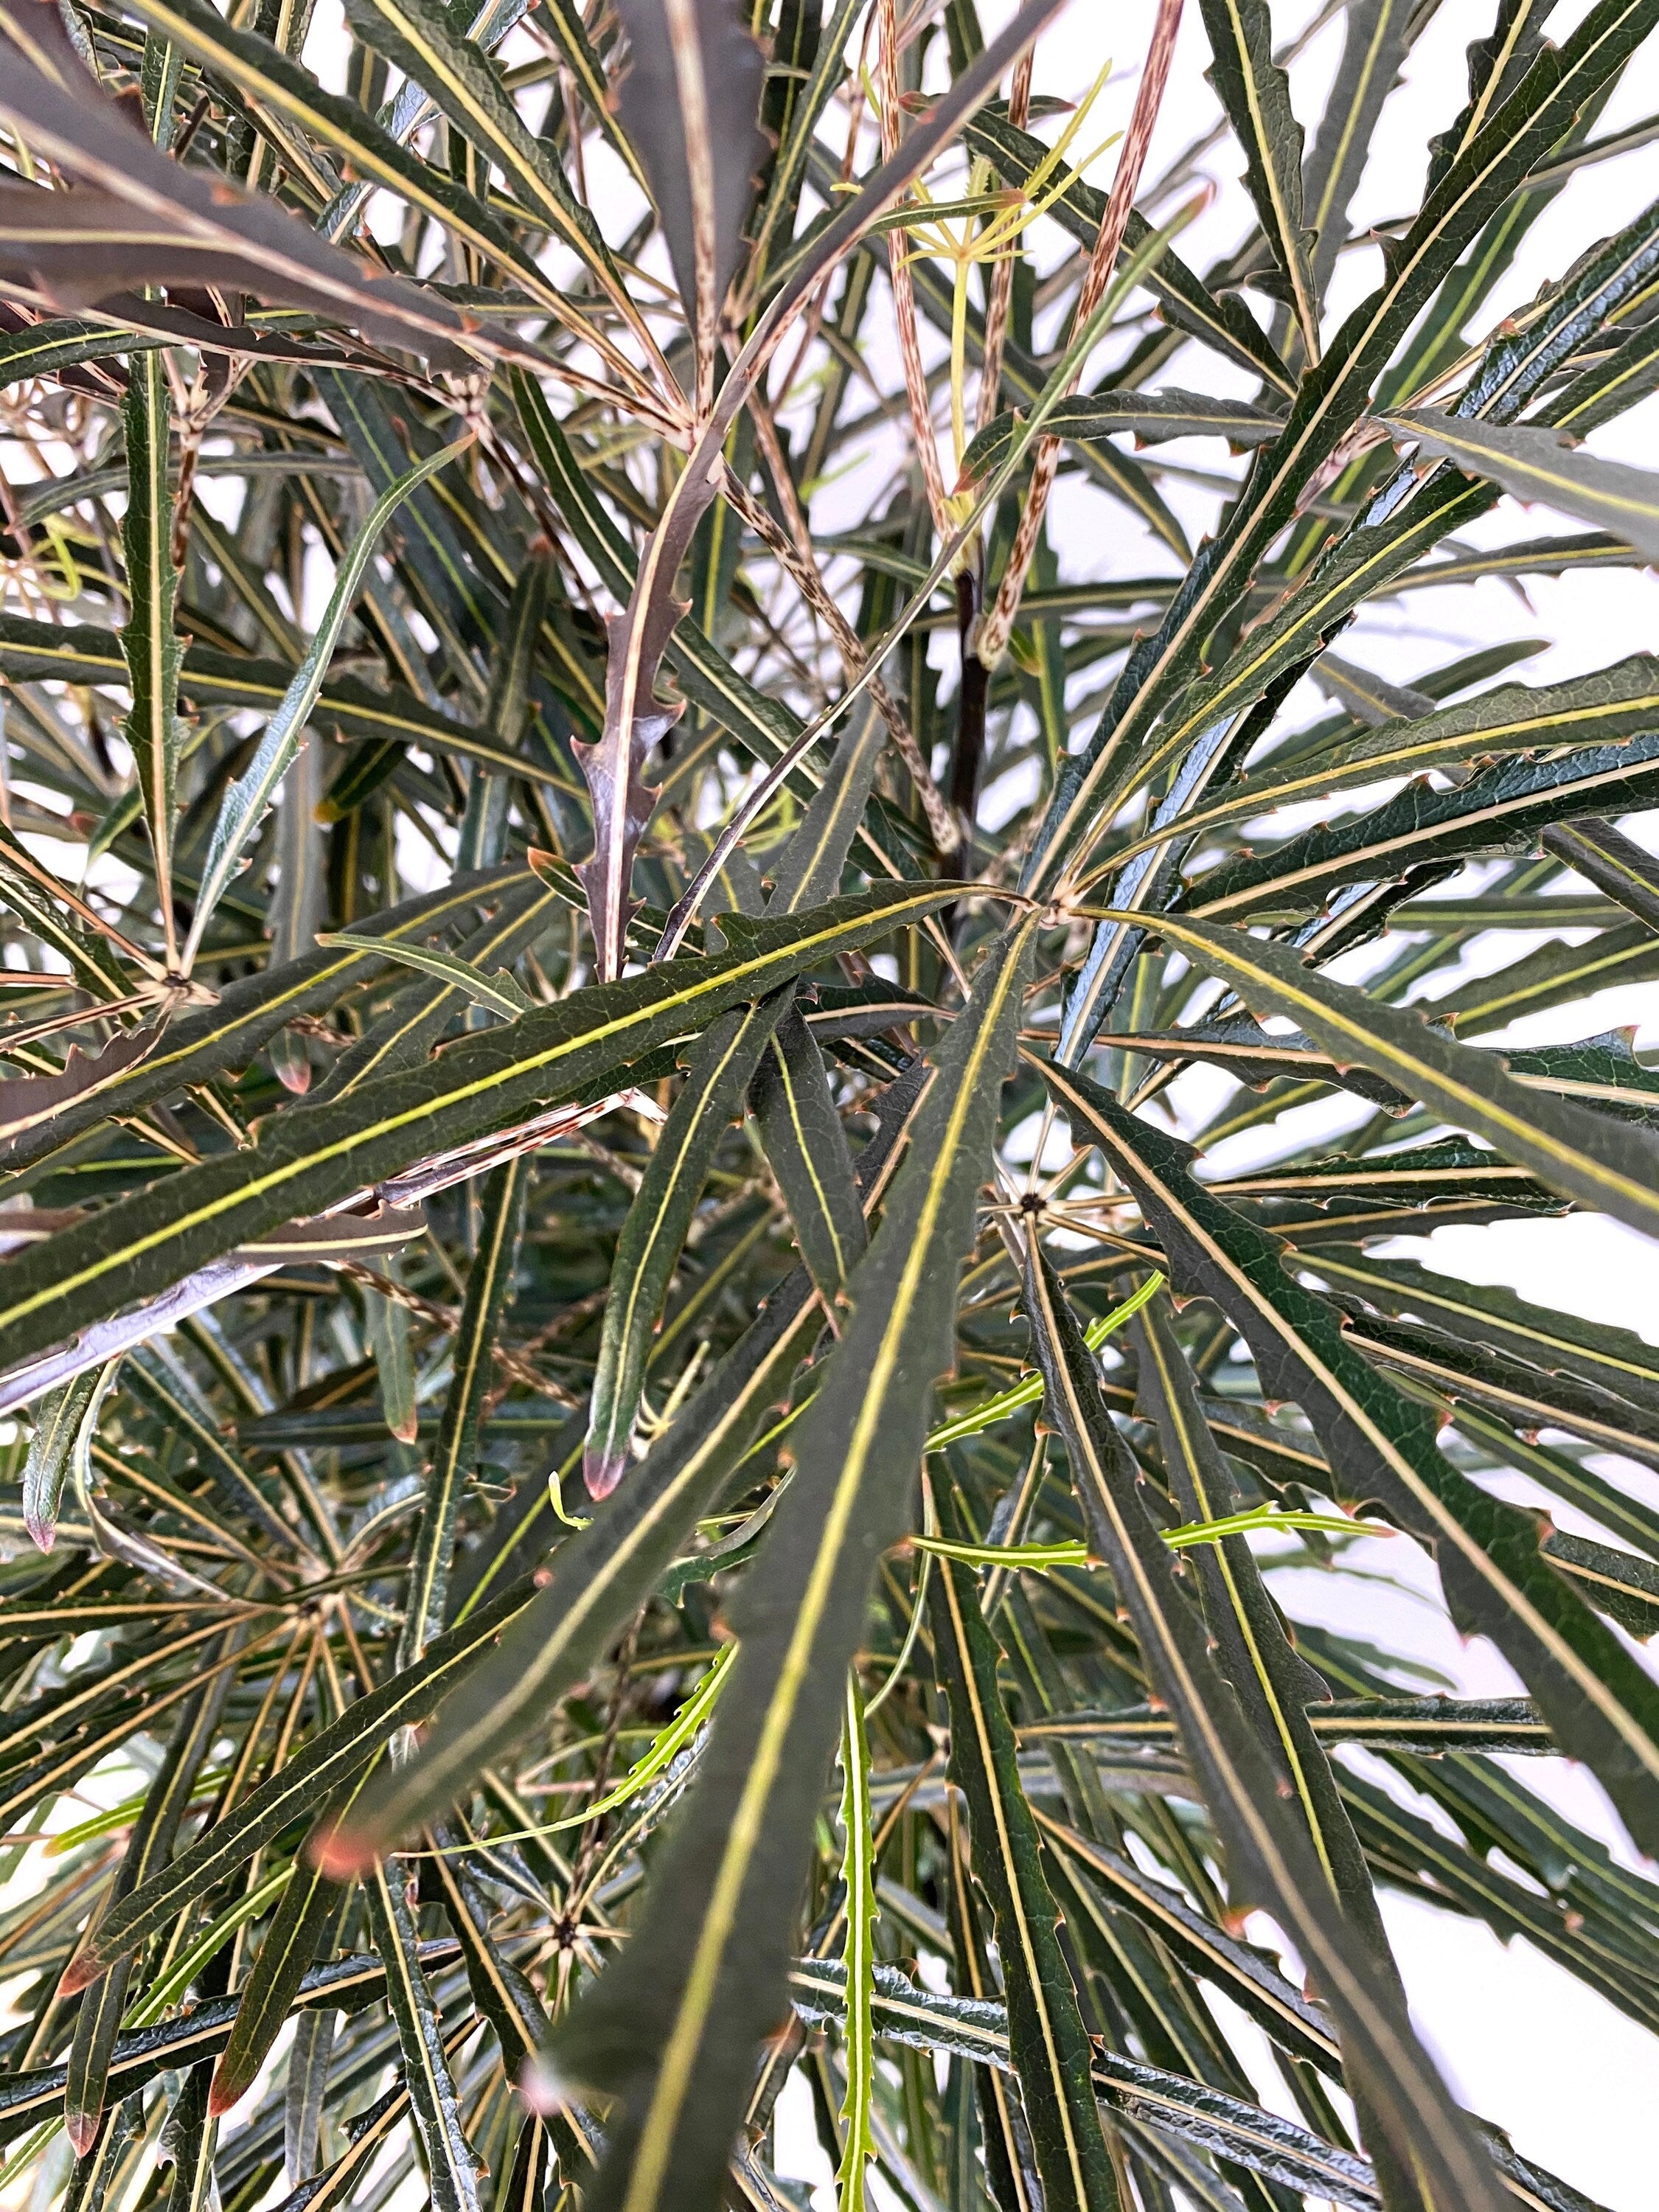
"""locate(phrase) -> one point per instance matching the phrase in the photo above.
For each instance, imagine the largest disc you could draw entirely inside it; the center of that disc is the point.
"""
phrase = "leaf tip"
(83, 1970)
(81, 2128)
(602, 1471)
(225, 2093)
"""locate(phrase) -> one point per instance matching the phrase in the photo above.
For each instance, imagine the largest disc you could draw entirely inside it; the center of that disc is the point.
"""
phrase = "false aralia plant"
(725, 819)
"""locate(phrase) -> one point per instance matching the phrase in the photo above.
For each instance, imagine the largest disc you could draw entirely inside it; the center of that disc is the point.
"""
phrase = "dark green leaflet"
(60, 342)
(1540, 556)
(1554, 976)
(649, 1249)
(702, 1954)
(488, 1294)
(1272, 1683)
(1267, 1857)
(1612, 862)
(1277, 2006)
(461, 603)
(806, 1149)
(1613, 1164)
(1374, 45)
(1523, 1396)
(309, 2054)
(165, 1804)
(312, 1156)
(562, 20)
(510, 709)
(1429, 1725)
(1381, 1445)
(502, 1994)
(1272, 1686)
(1256, 96)
(85, 655)
(1049, 2049)
(307, 1427)
(1410, 1849)
(806, 108)
(1617, 1359)
(860, 1912)
(1150, 415)
(1630, 373)
(308, 1906)
(149, 640)
(1537, 464)
(603, 1573)
(450, 2166)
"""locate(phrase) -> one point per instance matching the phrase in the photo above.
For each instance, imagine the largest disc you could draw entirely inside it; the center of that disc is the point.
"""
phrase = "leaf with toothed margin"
(1610, 1164)
(1534, 463)
(1253, 91)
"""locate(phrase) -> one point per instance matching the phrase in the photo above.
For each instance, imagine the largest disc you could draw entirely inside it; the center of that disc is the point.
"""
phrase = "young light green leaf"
(501, 992)
(857, 1874)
